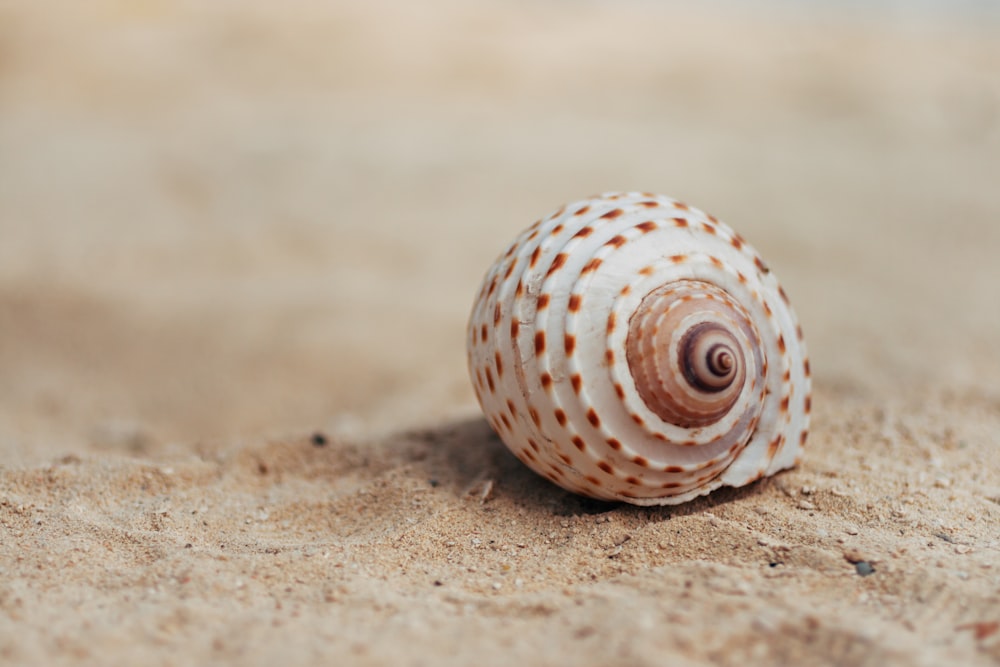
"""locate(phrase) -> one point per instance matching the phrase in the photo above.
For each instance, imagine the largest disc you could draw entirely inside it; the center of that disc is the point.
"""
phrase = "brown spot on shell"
(496, 314)
(577, 382)
(593, 418)
(710, 229)
(614, 444)
(533, 413)
(593, 480)
(805, 366)
(716, 262)
(646, 271)
(570, 344)
(640, 461)
(515, 327)
(680, 222)
(781, 343)
(673, 469)
(557, 263)
(592, 265)
(681, 205)
(584, 232)
(482, 333)
(535, 254)
(560, 416)
(677, 259)
(558, 228)
(539, 342)
(736, 242)
(617, 241)
(646, 227)
(784, 404)
(606, 467)
(578, 443)
(582, 210)
(543, 301)
(574, 302)
(774, 446)
(489, 380)
(546, 380)
(611, 323)
(619, 390)
(809, 404)
(499, 364)
(760, 264)
(609, 356)
(612, 214)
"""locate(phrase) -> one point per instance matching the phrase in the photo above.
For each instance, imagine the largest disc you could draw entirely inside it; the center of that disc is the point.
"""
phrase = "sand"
(239, 244)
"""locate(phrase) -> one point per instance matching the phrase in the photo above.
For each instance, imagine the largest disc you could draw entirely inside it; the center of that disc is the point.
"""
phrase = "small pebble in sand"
(864, 568)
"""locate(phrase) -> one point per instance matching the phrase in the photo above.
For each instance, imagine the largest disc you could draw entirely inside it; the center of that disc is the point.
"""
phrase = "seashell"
(630, 347)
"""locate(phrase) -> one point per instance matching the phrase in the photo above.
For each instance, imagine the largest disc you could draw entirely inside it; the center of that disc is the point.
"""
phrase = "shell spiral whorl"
(630, 347)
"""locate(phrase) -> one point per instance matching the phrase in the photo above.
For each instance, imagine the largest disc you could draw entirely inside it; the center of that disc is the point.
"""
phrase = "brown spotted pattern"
(631, 347)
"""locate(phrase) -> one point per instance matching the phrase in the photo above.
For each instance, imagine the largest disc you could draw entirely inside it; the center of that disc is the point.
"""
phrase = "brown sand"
(226, 229)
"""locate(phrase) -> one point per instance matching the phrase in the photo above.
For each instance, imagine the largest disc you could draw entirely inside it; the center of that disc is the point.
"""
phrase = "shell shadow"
(468, 459)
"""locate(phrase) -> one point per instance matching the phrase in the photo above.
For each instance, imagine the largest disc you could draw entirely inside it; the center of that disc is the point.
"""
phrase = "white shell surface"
(546, 352)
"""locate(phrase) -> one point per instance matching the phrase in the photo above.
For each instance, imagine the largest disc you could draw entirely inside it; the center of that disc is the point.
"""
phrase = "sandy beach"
(239, 247)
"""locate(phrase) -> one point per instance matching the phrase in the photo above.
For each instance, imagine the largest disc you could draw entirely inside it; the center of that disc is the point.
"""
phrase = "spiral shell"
(630, 347)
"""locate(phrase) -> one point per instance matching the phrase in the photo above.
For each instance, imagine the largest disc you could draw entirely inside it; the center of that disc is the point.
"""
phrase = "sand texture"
(238, 246)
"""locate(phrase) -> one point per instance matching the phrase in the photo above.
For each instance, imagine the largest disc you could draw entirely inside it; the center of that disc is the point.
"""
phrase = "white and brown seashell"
(630, 347)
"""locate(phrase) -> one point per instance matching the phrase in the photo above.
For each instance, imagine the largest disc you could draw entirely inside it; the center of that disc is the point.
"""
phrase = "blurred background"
(245, 219)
